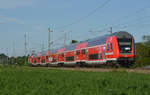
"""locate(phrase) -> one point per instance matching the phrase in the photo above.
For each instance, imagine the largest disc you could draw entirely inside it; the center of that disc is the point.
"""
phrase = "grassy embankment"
(41, 81)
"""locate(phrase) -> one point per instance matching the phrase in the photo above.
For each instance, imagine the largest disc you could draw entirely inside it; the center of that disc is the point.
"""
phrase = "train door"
(60, 57)
(104, 55)
(50, 59)
(47, 59)
(100, 54)
(78, 55)
(83, 56)
(87, 56)
(38, 60)
(34, 61)
(42, 60)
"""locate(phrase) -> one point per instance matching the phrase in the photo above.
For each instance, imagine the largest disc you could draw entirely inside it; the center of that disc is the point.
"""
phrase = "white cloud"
(10, 4)
(5, 19)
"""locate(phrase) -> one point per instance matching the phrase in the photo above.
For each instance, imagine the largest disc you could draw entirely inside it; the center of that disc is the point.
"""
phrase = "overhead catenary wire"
(141, 26)
(132, 14)
(118, 20)
(134, 20)
(124, 24)
(82, 18)
(123, 18)
(52, 42)
(86, 16)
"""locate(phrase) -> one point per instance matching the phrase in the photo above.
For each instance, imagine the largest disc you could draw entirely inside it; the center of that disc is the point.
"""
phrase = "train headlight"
(127, 48)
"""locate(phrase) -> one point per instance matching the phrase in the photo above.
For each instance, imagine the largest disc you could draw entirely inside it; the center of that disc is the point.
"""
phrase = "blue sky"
(33, 17)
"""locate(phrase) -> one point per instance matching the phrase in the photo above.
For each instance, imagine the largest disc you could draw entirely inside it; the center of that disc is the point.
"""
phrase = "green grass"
(41, 81)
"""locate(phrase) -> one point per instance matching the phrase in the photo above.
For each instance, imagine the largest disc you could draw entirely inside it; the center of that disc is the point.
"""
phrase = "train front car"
(120, 49)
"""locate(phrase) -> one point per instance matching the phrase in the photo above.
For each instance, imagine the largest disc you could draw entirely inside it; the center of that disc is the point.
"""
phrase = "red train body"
(116, 48)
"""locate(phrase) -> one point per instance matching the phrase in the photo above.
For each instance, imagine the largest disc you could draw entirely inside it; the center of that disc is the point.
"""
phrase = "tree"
(20, 60)
(143, 52)
(3, 59)
(146, 39)
(74, 41)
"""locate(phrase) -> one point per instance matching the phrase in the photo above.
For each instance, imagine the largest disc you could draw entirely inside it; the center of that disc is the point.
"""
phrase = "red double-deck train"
(114, 49)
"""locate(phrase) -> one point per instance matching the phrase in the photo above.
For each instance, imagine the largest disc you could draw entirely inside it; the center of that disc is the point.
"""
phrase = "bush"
(140, 62)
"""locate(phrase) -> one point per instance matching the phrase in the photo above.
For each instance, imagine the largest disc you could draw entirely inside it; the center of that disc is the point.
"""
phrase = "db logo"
(50, 58)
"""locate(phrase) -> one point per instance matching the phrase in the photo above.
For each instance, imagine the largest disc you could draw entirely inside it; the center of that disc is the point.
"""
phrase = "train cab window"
(83, 51)
(111, 45)
(107, 47)
(125, 45)
(78, 52)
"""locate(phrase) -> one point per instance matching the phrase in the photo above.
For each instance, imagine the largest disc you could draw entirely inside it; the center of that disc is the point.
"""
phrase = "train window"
(78, 52)
(43, 61)
(70, 58)
(83, 51)
(34, 61)
(93, 56)
(111, 46)
(62, 54)
(107, 47)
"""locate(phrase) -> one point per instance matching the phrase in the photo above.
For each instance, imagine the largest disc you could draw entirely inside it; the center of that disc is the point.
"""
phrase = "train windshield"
(125, 45)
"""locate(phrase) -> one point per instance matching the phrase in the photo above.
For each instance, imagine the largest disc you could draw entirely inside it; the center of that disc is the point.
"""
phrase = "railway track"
(136, 70)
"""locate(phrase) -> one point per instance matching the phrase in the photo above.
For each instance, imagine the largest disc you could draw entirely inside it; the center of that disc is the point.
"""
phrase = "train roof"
(97, 41)
(92, 42)
(102, 39)
(122, 34)
(53, 51)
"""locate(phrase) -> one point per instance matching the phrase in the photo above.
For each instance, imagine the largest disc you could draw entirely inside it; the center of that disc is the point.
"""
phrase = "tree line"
(20, 60)
(142, 52)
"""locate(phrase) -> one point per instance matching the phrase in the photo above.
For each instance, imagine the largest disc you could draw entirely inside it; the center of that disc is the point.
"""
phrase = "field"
(41, 81)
